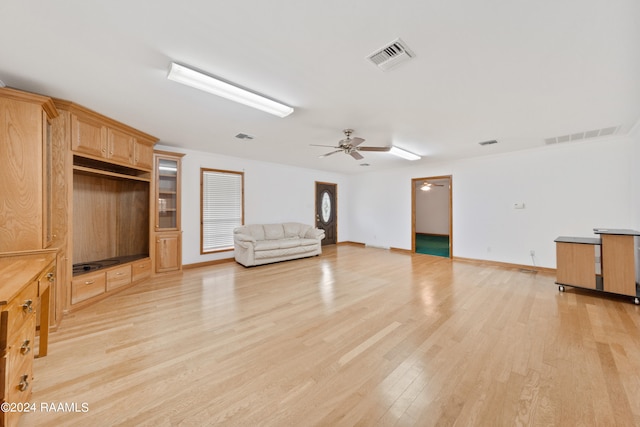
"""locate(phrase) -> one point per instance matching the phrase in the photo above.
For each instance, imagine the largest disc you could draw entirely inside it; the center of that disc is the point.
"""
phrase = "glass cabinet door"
(167, 194)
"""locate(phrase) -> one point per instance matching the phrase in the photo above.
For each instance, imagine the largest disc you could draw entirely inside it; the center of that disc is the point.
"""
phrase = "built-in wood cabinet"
(110, 185)
(168, 251)
(75, 186)
(88, 136)
(98, 137)
(140, 270)
(26, 168)
(166, 211)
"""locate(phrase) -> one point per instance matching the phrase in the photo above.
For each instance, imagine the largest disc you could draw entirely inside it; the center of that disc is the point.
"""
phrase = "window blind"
(222, 208)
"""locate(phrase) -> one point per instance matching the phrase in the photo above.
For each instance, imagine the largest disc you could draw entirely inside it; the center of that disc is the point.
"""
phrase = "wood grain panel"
(118, 277)
(143, 155)
(141, 270)
(88, 136)
(618, 264)
(120, 146)
(576, 264)
(168, 251)
(428, 341)
(133, 218)
(95, 201)
(88, 285)
(21, 176)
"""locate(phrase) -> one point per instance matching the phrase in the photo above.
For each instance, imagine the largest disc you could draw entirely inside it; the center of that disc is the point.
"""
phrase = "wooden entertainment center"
(608, 264)
(78, 203)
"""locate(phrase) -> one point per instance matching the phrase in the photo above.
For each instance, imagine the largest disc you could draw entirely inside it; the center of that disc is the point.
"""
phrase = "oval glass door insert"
(326, 207)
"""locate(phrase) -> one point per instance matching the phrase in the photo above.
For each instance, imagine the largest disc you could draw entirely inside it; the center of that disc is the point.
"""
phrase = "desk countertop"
(581, 240)
(617, 231)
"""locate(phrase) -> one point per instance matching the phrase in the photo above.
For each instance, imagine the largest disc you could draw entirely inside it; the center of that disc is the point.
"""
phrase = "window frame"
(203, 171)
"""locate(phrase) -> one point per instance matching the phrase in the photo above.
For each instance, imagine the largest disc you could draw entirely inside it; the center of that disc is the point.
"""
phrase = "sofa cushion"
(267, 245)
(307, 242)
(295, 229)
(273, 231)
(257, 231)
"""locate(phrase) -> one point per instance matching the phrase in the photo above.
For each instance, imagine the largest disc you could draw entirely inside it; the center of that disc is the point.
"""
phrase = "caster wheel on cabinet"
(636, 301)
(561, 288)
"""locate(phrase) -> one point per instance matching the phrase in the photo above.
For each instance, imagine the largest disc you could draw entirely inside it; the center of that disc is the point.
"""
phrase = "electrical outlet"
(532, 252)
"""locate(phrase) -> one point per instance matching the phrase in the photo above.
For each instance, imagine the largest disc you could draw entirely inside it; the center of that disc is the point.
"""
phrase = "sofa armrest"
(242, 238)
(314, 233)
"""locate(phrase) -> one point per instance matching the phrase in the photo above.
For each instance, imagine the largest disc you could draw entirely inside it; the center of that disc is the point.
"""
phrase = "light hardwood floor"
(357, 336)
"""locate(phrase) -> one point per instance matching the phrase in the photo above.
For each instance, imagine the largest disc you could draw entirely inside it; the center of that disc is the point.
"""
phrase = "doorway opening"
(432, 216)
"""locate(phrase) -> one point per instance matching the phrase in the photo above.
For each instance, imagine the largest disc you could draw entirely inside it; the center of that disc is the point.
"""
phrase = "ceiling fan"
(351, 146)
(426, 186)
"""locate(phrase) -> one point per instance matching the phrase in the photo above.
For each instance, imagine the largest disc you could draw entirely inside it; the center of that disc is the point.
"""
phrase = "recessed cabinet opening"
(110, 220)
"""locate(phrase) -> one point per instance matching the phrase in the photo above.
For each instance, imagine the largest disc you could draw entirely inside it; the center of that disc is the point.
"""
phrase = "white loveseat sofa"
(265, 243)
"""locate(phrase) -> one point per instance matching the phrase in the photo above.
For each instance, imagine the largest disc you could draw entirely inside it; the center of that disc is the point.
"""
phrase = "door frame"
(414, 181)
(315, 210)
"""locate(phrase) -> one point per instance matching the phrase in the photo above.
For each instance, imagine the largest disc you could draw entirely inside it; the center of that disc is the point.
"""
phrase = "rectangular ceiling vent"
(244, 136)
(582, 135)
(391, 55)
(493, 141)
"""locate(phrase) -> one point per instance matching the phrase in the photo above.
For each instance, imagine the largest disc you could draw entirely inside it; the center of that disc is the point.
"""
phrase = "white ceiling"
(514, 71)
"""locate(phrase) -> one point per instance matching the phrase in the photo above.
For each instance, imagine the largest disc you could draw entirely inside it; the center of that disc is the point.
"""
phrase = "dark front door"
(326, 196)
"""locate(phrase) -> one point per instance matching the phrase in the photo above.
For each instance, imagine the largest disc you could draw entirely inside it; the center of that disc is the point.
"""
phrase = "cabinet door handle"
(24, 348)
(24, 382)
(119, 273)
(50, 276)
(27, 307)
(89, 282)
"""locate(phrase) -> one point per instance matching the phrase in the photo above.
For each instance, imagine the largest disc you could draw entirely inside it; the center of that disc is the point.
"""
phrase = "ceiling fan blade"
(356, 141)
(384, 149)
(356, 155)
(319, 145)
(328, 154)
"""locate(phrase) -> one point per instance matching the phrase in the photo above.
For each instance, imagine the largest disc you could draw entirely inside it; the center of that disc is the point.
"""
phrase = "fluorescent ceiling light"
(403, 153)
(187, 76)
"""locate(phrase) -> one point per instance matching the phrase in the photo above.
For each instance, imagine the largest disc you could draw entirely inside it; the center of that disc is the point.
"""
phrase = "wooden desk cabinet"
(22, 278)
(617, 249)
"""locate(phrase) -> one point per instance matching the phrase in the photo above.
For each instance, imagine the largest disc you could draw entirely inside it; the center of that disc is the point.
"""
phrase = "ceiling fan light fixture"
(196, 79)
(403, 153)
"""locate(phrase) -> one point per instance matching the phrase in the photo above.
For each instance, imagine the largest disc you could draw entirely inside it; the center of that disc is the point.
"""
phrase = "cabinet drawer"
(117, 277)
(19, 382)
(141, 270)
(20, 347)
(87, 286)
(21, 309)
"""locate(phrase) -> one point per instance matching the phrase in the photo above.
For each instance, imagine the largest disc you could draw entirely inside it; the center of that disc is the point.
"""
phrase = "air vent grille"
(582, 135)
(493, 141)
(244, 136)
(391, 55)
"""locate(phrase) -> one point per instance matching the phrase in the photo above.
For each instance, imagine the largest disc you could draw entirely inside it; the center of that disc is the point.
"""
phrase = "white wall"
(432, 210)
(272, 193)
(568, 189)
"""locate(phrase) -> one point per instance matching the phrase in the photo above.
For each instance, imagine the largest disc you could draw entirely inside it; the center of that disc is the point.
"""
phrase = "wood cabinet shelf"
(109, 174)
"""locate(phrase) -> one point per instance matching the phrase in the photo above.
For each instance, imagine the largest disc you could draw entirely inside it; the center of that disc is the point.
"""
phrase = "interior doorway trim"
(414, 183)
